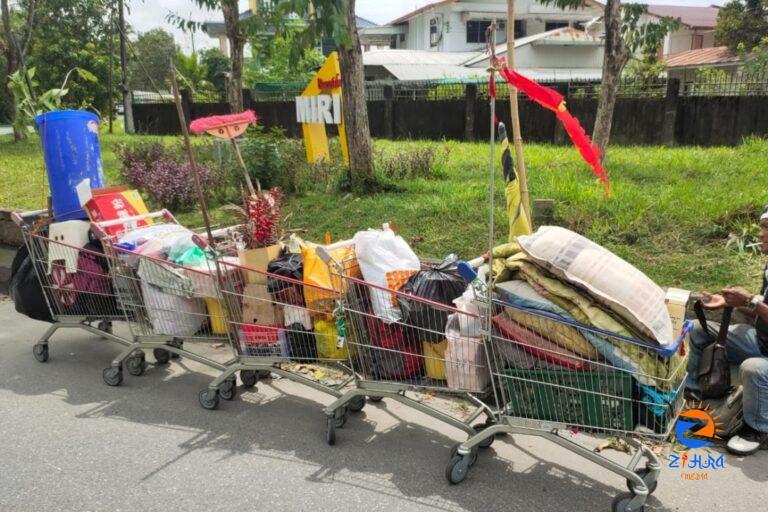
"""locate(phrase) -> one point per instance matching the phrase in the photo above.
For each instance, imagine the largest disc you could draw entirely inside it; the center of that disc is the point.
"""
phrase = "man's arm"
(739, 298)
(762, 311)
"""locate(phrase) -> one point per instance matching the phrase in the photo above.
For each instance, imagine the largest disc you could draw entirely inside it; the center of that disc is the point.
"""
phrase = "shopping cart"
(554, 375)
(166, 304)
(415, 353)
(73, 276)
(275, 331)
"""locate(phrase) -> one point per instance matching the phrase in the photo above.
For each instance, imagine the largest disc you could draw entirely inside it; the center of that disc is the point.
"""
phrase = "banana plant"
(29, 104)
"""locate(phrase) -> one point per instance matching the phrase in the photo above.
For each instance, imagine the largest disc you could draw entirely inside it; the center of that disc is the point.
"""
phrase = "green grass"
(670, 210)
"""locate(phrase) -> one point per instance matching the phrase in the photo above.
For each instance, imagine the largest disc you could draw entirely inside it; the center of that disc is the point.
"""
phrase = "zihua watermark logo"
(697, 427)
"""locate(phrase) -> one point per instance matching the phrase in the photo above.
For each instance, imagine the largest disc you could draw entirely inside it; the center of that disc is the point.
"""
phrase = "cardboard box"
(108, 204)
(257, 260)
(677, 302)
(258, 307)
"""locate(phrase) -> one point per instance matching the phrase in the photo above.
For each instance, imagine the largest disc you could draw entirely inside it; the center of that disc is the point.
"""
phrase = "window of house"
(433, 39)
(476, 31)
(697, 42)
(520, 28)
(552, 25)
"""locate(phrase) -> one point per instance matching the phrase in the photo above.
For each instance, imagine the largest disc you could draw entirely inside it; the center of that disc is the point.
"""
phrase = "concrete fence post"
(470, 97)
(670, 112)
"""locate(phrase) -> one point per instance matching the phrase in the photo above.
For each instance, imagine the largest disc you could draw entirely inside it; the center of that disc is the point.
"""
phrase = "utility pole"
(111, 64)
(127, 107)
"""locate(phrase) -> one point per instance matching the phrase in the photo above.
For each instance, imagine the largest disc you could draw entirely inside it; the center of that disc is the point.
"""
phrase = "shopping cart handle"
(323, 254)
(466, 271)
(19, 217)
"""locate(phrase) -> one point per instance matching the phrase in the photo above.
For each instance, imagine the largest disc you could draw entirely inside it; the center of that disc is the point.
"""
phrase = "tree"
(273, 60)
(150, 65)
(13, 48)
(625, 35)
(216, 66)
(742, 22)
(192, 73)
(336, 19)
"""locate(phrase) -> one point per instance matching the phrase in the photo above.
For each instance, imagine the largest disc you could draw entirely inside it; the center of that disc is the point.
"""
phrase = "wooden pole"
(127, 107)
(191, 156)
(111, 64)
(517, 138)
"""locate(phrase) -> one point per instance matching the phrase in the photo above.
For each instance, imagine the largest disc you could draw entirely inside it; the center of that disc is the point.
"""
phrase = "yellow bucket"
(216, 314)
(434, 359)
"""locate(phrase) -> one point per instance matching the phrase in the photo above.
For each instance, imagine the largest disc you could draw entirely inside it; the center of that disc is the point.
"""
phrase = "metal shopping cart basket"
(74, 278)
(274, 330)
(554, 375)
(393, 355)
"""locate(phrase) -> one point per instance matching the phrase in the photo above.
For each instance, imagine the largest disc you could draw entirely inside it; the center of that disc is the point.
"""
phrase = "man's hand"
(736, 297)
(712, 301)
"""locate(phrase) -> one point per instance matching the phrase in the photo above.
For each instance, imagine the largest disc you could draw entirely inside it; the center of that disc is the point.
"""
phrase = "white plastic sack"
(386, 261)
(465, 362)
(607, 278)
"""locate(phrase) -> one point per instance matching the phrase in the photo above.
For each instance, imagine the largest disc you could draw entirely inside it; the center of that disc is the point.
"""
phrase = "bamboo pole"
(517, 138)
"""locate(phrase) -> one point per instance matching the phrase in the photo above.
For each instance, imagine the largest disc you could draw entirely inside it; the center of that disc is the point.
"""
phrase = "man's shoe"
(747, 442)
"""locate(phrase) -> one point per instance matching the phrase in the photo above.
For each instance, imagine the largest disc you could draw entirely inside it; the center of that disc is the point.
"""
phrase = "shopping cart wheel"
(228, 389)
(113, 376)
(105, 326)
(356, 404)
(457, 468)
(136, 365)
(249, 378)
(330, 431)
(264, 374)
(643, 473)
(162, 356)
(40, 351)
(621, 503)
(375, 398)
(340, 417)
(209, 399)
(472, 456)
(486, 443)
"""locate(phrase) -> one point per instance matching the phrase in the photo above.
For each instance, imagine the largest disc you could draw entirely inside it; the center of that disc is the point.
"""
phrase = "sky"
(148, 14)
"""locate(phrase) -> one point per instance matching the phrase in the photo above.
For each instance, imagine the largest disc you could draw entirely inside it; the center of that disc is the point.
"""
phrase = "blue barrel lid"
(60, 115)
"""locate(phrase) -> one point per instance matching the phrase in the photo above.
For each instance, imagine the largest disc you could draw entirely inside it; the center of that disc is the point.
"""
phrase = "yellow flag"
(518, 220)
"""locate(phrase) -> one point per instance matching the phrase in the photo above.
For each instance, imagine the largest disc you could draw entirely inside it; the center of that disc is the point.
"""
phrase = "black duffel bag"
(714, 375)
(25, 289)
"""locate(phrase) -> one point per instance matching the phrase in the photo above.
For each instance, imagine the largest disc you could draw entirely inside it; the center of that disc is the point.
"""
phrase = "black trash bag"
(284, 291)
(440, 284)
(25, 289)
(302, 347)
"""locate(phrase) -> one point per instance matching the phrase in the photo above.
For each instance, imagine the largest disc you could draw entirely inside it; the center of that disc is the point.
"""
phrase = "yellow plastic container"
(434, 359)
(327, 338)
(216, 314)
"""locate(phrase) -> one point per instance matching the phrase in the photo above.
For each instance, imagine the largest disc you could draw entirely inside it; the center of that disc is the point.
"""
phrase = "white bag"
(607, 278)
(386, 261)
(465, 363)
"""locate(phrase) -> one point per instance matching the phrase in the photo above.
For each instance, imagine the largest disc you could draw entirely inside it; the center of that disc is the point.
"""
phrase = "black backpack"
(25, 289)
(714, 375)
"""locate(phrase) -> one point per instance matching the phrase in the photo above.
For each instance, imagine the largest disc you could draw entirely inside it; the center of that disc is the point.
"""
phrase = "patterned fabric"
(396, 280)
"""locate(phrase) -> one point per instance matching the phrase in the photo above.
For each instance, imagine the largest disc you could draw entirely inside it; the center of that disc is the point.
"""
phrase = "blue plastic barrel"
(70, 140)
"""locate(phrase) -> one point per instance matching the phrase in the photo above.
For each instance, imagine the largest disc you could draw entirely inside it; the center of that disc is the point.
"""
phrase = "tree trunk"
(614, 59)
(13, 65)
(355, 106)
(236, 47)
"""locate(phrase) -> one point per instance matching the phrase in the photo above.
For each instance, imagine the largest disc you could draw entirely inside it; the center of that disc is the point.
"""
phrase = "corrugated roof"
(437, 72)
(702, 57)
(406, 17)
(694, 17)
(415, 57)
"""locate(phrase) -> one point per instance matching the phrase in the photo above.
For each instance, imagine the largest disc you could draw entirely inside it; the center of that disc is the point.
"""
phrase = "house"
(685, 65)
(217, 30)
(460, 25)
(697, 27)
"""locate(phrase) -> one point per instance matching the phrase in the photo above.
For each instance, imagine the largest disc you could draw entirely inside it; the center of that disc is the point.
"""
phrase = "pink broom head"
(223, 124)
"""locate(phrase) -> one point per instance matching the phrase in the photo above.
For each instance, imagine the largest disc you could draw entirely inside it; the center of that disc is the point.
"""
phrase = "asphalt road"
(70, 443)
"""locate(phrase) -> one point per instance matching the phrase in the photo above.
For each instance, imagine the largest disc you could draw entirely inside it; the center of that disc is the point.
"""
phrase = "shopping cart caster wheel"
(209, 399)
(264, 374)
(113, 376)
(228, 389)
(457, 469)
(643, 473)
(249, 378)
(40, 351)
(340, 417)
(356, 404)
(105, 326)
(375, 398)
(485, 443)
(621, 503)
(162, 356)
(472, 457)
(330, 431)
(136, 365)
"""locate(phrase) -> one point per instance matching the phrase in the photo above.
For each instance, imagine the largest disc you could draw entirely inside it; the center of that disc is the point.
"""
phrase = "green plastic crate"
(599, 400)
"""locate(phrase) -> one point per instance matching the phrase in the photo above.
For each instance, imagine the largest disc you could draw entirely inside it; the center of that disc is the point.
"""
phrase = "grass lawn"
(670, 211)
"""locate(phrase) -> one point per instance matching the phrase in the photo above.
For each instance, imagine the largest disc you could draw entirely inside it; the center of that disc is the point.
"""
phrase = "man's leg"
(741, 344)
(754, 379)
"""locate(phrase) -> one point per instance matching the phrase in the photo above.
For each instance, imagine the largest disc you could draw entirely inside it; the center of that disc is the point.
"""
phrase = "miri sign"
(320, 105)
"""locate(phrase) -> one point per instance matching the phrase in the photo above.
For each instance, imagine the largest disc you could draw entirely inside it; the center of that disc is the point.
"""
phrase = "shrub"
(418, 162)
(263, 155)
(165, 176)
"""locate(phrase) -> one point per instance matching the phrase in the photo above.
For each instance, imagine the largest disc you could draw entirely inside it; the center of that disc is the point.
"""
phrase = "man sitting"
(747, 346)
